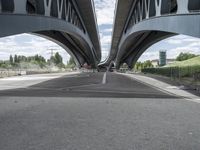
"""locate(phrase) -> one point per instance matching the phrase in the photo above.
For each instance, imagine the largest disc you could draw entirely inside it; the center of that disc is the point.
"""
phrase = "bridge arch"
(57, 20)
(149, 32)
(149, 21)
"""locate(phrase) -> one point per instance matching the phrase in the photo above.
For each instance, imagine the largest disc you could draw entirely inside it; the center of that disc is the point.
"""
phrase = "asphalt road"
(87, 85)
(78, 112)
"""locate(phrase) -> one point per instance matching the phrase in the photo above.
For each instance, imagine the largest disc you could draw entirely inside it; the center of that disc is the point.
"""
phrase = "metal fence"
(188, 75)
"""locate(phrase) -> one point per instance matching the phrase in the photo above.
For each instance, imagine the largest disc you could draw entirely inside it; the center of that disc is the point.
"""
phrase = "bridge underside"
(146, 22)
(146, 33)
(141, 43)
(59, 21)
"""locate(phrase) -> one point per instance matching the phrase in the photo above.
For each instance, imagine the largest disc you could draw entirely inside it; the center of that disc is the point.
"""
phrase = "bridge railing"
(146, 9)
(60, 9)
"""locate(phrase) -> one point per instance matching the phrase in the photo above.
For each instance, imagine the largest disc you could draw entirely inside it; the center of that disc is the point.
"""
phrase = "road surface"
(79, 112)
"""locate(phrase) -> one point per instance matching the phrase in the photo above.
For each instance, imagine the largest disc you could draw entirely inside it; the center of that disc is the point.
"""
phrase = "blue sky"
(28, 45)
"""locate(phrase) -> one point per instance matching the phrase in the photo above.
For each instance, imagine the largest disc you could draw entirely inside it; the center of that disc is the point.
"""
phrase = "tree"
(11, 60)
(71, 63)
(185, 56)
(148, 64)
(39, 59)
(16, 59)
(138, 65)
(58, 59)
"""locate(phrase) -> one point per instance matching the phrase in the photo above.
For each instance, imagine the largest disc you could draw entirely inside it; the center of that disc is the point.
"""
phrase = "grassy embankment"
(187, 71)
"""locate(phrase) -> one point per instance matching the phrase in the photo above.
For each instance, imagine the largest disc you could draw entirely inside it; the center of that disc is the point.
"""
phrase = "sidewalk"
(165, 86)
(29, 80)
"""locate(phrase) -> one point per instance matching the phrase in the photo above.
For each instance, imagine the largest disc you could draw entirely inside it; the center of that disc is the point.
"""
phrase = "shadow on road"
(89, 85)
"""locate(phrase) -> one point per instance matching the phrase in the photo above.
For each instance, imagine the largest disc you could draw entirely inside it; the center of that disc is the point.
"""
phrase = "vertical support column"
(75, 20)
(0, 7)
(147, 8)
(131, 23)
(60, 8)
(140, 8)
(75, 16)
(135, 16)
(158, 7)
(47, 7)
(138, 14)
(78, 24)
(66, 10)
(72, 16)
(20, 6)
(70, 13)
(182, 6)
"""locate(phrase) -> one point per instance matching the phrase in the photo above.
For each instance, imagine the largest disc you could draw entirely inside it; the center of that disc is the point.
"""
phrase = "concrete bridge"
(141, 23)
(69, 23)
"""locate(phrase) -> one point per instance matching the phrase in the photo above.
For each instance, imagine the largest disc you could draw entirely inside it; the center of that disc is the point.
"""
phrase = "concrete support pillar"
(0, 7)
(72, 16)
(136, 16)
(60, 8)
(182, 6)
(147, 8)
(158, 7)
(140, 9)
(67, 10)
(47, 7)
(20, 6)
(70, 13)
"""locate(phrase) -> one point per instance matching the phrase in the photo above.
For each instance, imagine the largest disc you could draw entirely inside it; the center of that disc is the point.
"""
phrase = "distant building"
(162, 61)
(155, 63)
(162, 58)
(170, 61)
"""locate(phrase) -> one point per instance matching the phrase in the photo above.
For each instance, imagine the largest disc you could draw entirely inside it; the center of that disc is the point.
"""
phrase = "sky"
(173, 46)
(29, 45)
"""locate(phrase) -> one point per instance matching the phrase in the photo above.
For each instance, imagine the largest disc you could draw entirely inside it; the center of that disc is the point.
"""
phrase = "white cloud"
(174, 46)
(109, 30)
(105, 11)
(182, 39)
(105, 15)
(29, 45)
(174, 41)
(105, 45)
(106, 40)
(173, 53)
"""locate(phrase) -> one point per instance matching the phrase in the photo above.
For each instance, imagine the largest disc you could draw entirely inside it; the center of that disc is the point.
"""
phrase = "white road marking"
(104, 78)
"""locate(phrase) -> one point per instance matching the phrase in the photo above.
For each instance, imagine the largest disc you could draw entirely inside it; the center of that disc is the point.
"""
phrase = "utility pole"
(52, 51)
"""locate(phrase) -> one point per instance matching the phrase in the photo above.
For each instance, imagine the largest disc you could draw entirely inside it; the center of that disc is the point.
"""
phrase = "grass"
(190, 62)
